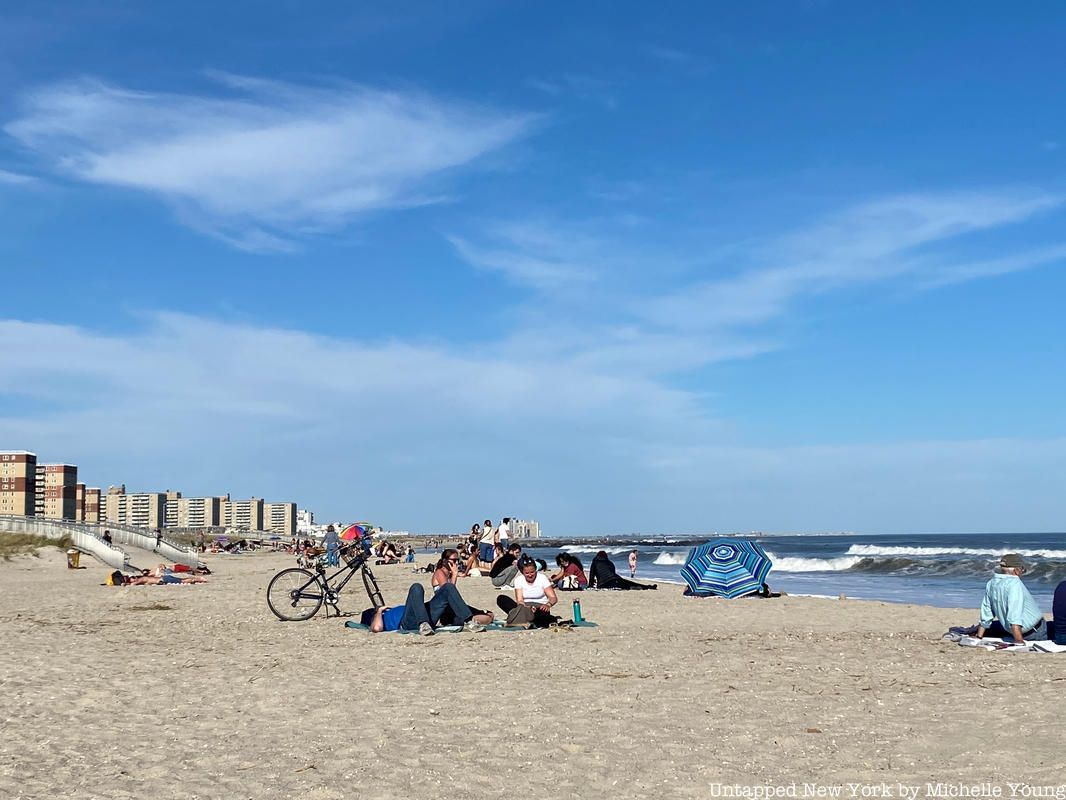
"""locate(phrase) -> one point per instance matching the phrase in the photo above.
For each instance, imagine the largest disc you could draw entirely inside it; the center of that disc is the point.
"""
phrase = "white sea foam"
(584, 548)
(787, 564)
(671, 558)
(797, 564)
(877, 550)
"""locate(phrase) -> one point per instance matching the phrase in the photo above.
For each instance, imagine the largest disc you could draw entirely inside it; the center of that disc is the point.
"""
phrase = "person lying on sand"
(418, 615)
(146, 578)
(603, 575)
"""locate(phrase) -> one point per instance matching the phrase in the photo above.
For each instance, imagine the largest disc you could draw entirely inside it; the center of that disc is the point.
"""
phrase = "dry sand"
(199, 692)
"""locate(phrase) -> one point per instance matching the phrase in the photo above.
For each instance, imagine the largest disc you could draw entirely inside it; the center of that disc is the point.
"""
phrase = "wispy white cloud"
(586, 88)
(611, 298)
(426, 436)
(263, 161)
(152, 403)
(876, 241)
(14, 178)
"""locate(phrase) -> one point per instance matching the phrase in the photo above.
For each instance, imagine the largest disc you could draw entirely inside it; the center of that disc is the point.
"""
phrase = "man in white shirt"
(503, 532)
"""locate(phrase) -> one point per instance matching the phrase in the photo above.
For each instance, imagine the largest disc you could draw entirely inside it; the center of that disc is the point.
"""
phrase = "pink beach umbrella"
(353, 532)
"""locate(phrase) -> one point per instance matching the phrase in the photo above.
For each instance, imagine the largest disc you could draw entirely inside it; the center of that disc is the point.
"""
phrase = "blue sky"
(783, 267)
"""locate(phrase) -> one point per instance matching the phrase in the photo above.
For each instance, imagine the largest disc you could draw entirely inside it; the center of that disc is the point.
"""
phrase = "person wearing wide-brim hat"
(1009, 603)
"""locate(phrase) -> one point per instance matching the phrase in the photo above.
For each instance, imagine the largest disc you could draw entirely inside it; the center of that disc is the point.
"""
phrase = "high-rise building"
(92, 505)
(18, 482)
(280, 518)
(244, 515)
(79, 502)
(525, 529)
(199, 512)
(141, 509)
(170, 519)
(56, 491)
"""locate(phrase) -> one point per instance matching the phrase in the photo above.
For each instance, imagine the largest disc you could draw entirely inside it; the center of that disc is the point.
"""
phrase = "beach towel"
(495, 626)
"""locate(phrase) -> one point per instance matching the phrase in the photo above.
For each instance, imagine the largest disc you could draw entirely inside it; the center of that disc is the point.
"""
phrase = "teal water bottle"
(577, 611)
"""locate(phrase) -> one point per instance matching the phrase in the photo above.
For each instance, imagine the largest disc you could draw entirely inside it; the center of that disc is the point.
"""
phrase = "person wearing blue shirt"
(1009, 602)
(418, 615)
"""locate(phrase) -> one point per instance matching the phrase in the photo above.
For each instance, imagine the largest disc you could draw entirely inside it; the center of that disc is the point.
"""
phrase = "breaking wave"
(877, 550)
(671, 558)
(798, 564)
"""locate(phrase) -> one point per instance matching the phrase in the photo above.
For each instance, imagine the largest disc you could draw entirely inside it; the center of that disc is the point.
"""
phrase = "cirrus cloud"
(263, 161)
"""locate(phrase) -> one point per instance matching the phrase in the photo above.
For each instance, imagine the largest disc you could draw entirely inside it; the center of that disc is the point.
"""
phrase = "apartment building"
(244, 515)
(280, 518)
(18, 482)
(141, 509)
(170, 516)
(91, 507)
(525, 529)
(56, 491)
(199, 512)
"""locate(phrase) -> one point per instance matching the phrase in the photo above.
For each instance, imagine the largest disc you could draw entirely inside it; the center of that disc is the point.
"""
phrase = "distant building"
(91, 509)
(244, 515)
(199, 512)
(280, 518)
(142, 509)
(170, 515)
(525, 529)
(18, 482)
(56, 491)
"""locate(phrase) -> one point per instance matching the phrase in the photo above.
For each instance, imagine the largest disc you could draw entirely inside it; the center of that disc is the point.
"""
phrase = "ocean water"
(948, 570)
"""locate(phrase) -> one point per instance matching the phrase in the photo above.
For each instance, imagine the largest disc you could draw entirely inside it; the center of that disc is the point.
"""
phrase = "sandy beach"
(199, 692)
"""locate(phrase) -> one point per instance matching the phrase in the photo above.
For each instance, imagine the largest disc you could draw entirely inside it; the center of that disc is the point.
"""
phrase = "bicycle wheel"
(294, 595)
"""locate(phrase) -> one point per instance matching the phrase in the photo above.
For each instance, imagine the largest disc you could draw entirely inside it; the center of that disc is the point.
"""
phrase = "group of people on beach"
(535, 589)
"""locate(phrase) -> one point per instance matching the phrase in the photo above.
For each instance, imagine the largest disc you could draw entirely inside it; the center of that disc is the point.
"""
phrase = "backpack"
(116, 578)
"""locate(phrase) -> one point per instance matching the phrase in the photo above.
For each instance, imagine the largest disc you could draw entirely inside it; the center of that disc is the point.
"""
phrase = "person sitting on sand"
(571, 574)
(418, 615)
(1007, 601)
(447, 572)
(483, 567)
(474, 537)
(603, 575)
(505, 567)
(533, 590)
(447, 569)
(1058, 613)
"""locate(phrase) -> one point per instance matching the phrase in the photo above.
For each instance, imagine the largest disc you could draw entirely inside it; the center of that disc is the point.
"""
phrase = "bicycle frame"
(360, 563)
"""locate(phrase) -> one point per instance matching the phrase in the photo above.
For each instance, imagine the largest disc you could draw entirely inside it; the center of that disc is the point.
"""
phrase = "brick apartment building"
(18, 482)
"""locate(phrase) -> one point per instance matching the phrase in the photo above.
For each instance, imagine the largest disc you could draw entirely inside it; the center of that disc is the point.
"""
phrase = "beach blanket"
(964, 638)
(495, 626)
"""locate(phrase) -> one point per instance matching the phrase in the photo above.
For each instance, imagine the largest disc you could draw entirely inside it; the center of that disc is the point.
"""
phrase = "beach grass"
(20, 544)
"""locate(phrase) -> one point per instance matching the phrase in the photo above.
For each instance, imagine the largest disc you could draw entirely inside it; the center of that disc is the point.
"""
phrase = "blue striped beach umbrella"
(726, 567)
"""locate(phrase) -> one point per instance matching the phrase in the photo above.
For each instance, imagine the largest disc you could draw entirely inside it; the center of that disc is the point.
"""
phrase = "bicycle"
(296, 594)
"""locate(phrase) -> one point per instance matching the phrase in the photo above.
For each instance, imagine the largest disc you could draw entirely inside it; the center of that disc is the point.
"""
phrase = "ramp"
(83, 538)
(144, 539)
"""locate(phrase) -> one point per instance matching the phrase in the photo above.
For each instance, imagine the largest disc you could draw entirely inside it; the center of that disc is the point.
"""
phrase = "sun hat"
(1013, 560)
